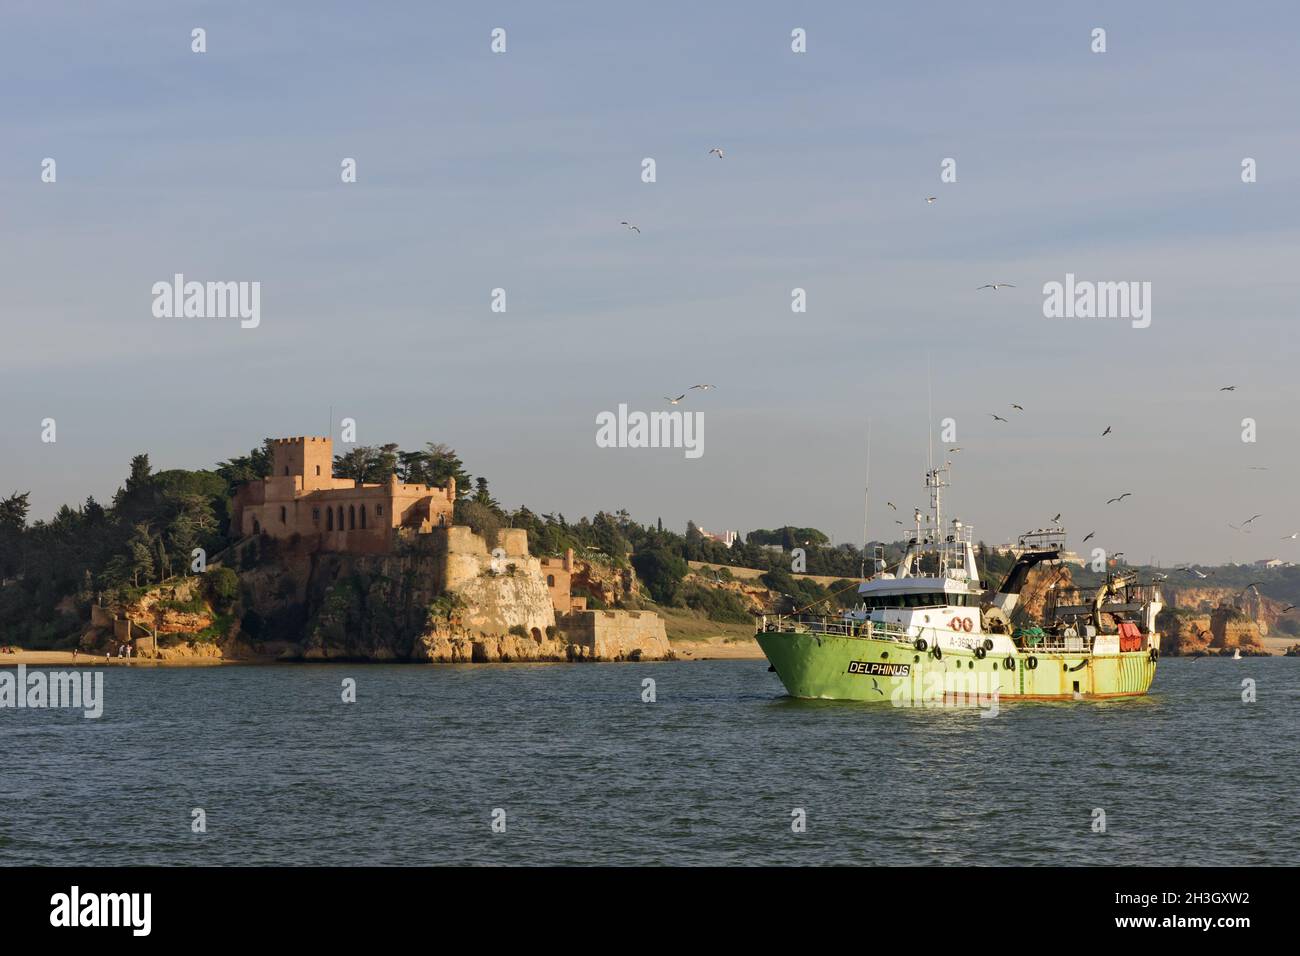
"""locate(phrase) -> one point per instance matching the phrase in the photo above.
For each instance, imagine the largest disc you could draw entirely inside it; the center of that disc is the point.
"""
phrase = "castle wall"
(618, 635)
(302, 498)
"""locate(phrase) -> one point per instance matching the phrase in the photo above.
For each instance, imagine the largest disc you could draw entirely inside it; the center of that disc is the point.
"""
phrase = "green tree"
(661, 572)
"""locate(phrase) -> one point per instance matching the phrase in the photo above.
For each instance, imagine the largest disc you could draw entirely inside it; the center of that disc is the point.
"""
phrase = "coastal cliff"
(444, 597)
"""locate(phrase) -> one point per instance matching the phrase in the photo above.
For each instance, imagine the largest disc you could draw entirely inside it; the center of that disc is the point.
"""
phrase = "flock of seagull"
(995, 286)
(1243, 527)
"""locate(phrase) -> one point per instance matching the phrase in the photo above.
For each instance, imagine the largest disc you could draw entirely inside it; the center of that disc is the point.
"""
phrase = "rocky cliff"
(443, 597)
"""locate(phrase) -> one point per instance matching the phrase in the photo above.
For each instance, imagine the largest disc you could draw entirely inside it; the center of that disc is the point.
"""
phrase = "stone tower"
(312, 458)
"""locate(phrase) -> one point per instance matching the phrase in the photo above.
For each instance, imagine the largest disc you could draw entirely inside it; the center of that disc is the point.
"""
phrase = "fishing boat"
(929, 632)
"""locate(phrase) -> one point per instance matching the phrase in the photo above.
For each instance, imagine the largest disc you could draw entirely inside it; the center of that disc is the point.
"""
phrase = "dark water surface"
(587, 773)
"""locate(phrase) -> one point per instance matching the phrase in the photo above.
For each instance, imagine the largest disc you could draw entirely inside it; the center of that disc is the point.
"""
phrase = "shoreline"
(685, 651)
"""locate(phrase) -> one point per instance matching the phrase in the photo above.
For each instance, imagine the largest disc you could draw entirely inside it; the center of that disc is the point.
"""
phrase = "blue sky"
(479, 171)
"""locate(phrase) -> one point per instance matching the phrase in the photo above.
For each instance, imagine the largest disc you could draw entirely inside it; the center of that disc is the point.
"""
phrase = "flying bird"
(1250, 519)
(998, 418)
(674, 401)
(1228, 388)
(1019, 408)
(931, 199)
(951, 450)
(1090, 534)
(635, 229)
(1292, 537)
(1120, 498)
(1289, 607)
(1195, 572)
(892, 505)
(996, 285)
(716, 149)
(704, 387)
(1106, 432)
(1058, 517)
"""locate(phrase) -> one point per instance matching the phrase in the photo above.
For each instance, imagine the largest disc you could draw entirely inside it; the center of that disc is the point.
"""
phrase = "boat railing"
(836, 627)
(1055, 643)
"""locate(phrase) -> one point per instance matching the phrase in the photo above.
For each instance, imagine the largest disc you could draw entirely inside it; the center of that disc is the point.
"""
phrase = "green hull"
(834, 667)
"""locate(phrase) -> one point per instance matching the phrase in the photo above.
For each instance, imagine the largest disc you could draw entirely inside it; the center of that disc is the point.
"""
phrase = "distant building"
(726, 538)
(559, 582)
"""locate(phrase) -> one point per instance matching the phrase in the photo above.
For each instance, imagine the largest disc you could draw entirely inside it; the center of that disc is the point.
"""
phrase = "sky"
(479, 170)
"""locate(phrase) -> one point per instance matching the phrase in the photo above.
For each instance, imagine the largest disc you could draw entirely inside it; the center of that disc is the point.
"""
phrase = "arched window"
(329, 519)
(340, 517)
(363, 517)
(352, 517)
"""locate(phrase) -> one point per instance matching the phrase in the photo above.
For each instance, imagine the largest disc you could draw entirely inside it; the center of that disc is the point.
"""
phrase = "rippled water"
(588, 773)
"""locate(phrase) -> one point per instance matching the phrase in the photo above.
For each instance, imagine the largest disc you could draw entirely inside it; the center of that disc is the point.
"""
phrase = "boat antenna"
(866, 505)
(929, 385)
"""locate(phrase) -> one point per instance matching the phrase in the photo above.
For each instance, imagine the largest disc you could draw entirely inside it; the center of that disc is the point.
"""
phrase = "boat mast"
(866, 505)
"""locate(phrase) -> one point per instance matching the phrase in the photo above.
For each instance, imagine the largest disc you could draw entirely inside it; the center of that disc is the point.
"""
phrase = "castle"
(302, 497)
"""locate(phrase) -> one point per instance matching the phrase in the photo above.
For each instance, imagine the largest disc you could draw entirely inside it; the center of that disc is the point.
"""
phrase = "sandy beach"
(718, 650)
(65, 659)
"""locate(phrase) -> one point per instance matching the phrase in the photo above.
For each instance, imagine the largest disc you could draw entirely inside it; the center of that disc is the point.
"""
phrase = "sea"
(675, 763)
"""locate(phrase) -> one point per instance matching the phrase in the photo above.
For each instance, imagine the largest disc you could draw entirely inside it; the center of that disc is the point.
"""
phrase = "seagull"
(716, 149)
(1250, 519)
(892, 505)
(704, 387)
(951, 450)
(1090, 534)
(1289, 607)
(1292, 537)
(1195, 572)
(1120, 498)
(1106, 432)
(1019, 408)
(997, 418)
(635, 229)
(876, 686)
(674, 401)
(1058, 517)
(1228, 388)
(996, 285)
(931, 199)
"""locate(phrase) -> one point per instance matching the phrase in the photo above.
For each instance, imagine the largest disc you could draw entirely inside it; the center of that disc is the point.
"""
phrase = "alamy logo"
(1098, 300)
(103, 909)
(208, 300)
(651, 430)
(59, 689)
